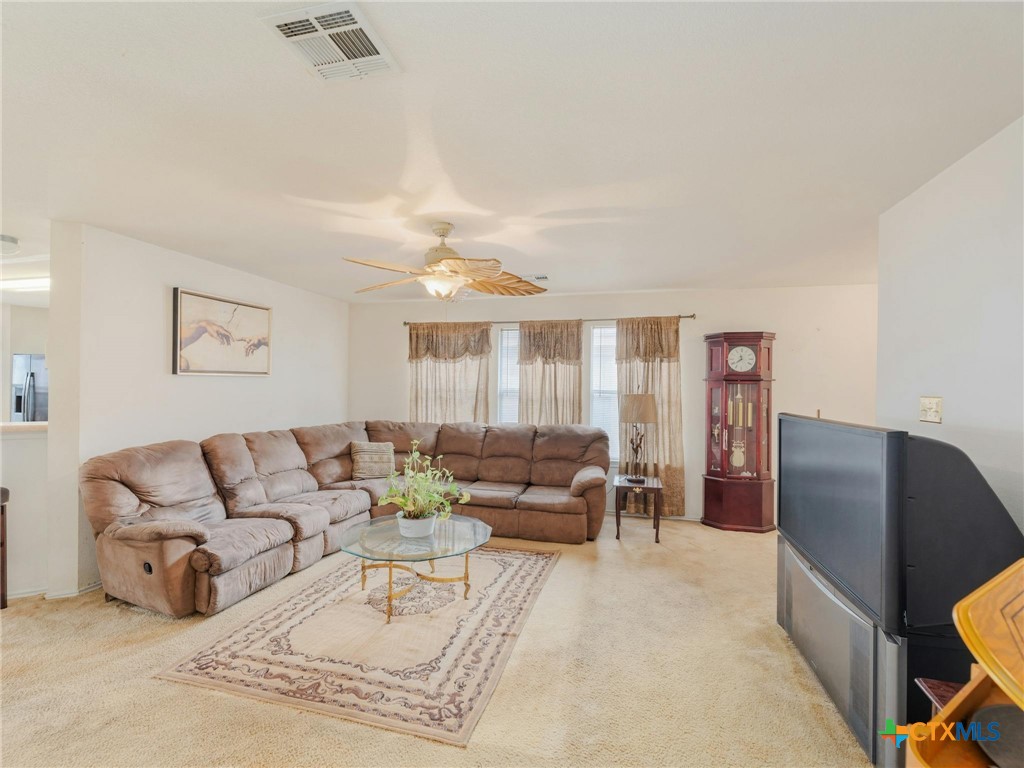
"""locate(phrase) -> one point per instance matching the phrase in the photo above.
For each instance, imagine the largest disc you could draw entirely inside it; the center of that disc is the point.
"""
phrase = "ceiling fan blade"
(404, 269)
(477, 269)
(506, 284)
(377, 287)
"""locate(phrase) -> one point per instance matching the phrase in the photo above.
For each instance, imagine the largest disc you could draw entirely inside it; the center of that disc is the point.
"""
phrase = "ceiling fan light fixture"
(448, 277)
(444, 287)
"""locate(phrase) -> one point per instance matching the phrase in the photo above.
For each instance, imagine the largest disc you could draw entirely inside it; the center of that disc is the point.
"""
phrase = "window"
(601, 409)
(508, 375)
(604, 391)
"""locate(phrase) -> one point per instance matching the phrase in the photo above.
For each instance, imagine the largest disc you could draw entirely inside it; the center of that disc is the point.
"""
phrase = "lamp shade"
(637, 409)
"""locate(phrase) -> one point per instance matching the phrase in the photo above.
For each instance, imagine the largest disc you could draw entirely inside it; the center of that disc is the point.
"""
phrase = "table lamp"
(637, 410)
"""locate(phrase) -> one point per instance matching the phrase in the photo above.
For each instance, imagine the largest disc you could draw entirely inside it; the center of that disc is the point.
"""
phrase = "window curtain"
(449, 364)
(647, 362)
(551, 372)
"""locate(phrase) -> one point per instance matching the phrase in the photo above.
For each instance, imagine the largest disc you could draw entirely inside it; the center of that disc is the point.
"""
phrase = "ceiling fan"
(446, 275)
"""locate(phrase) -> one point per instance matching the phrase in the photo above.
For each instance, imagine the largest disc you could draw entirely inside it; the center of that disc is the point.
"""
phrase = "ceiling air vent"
(334, 42)
(335, 20)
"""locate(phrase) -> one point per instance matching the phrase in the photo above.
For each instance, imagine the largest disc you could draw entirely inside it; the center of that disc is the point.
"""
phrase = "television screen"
(839, 506)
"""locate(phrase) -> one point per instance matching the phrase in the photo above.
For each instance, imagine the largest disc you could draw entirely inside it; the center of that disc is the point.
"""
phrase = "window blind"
(604, 395)
(508, 375)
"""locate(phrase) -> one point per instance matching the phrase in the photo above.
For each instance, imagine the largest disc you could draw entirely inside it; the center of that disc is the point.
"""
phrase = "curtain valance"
(551, 340)
(449, 341)
(647, 338)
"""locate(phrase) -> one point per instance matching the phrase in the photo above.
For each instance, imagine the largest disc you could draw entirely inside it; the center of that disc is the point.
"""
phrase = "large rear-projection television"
(904, 526)
(839, 506)
(881, 533)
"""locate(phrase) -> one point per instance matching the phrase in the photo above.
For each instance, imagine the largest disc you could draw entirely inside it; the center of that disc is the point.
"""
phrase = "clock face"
(742, 359)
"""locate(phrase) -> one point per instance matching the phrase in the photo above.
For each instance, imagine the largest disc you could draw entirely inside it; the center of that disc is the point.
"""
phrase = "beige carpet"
(634, 654)
(429, 672)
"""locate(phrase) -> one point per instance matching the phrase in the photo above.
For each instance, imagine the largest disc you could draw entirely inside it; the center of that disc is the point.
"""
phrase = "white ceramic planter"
(416, 528)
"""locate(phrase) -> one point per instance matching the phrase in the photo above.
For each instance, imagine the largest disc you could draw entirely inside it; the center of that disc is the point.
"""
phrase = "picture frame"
(219, 336)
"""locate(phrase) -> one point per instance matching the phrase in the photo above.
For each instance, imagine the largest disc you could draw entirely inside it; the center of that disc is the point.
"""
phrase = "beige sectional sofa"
(183, 526)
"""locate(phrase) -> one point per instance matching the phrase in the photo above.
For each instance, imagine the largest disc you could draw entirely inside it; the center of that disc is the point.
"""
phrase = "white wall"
(23, 473)
(5, 362)
(115, 351)
(824, 354)
(951, 310)
(129, 395)
(70, 565)
(23, 332)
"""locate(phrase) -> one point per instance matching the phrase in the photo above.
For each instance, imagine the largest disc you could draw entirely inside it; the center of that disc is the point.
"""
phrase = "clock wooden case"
(739, 493)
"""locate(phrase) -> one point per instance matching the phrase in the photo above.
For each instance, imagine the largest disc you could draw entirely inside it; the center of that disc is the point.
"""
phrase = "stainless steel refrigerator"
(30, 388)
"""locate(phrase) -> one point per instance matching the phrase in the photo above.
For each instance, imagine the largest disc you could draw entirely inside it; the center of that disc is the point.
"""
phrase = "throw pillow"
(370, 460)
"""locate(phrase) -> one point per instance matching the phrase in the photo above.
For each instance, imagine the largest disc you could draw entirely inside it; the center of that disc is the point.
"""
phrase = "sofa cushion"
(280, 463)
(305, 519)
(340, 504)
(548, 498)
(371, 460)
(459, 447)
(560, 451)
(328, 449)
(374, 488)
(499, 495)
(232, 467)
(163, 480)
(507, 453)
(233, 542)
(402, 434)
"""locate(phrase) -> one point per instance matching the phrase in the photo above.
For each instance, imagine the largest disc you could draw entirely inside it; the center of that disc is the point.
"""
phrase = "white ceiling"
(612, 146)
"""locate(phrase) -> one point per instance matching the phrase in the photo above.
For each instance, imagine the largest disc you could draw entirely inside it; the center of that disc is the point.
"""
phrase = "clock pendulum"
(738, 449)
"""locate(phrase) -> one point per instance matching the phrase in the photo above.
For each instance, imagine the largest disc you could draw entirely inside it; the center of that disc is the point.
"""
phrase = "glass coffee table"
(379, 545)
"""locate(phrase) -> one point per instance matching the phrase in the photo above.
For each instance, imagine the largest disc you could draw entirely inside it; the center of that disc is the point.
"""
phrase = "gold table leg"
(391, 594)
(394, 595)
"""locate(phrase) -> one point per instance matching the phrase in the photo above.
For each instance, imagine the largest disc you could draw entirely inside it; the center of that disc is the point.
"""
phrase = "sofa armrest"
(158, 530)
(586, 478)
(307, 520)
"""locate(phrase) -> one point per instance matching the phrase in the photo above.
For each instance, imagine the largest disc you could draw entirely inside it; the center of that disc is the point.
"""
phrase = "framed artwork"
(215, 336)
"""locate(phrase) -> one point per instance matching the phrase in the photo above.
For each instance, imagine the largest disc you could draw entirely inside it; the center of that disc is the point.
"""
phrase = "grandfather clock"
(739, 493)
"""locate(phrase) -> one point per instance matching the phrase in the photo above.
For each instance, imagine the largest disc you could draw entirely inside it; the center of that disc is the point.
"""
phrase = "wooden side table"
(650, 485)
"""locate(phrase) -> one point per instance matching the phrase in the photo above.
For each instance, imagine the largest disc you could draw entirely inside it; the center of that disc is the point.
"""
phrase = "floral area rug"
(430, 672)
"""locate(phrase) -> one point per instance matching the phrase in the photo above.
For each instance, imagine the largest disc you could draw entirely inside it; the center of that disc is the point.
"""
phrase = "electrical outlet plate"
(931, 410)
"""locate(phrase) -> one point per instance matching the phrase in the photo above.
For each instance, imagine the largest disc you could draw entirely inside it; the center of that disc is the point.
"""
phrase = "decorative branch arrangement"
(429, 491)
(636, 445)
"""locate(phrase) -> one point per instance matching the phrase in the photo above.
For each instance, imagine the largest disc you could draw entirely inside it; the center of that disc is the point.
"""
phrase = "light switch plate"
(931, 410)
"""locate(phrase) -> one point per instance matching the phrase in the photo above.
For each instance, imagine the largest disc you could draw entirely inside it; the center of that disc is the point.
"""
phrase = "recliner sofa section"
(164, 540)
(264, 475)
(182, 526)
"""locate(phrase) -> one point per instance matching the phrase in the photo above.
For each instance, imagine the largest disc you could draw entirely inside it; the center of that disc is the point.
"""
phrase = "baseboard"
(32, 592)
(73, 593)
(633, 516)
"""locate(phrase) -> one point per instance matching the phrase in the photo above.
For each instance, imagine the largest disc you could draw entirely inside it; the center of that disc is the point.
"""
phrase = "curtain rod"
(586, 320)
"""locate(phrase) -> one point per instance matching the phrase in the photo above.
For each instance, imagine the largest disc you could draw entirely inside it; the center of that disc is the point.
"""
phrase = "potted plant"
(427, 496)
